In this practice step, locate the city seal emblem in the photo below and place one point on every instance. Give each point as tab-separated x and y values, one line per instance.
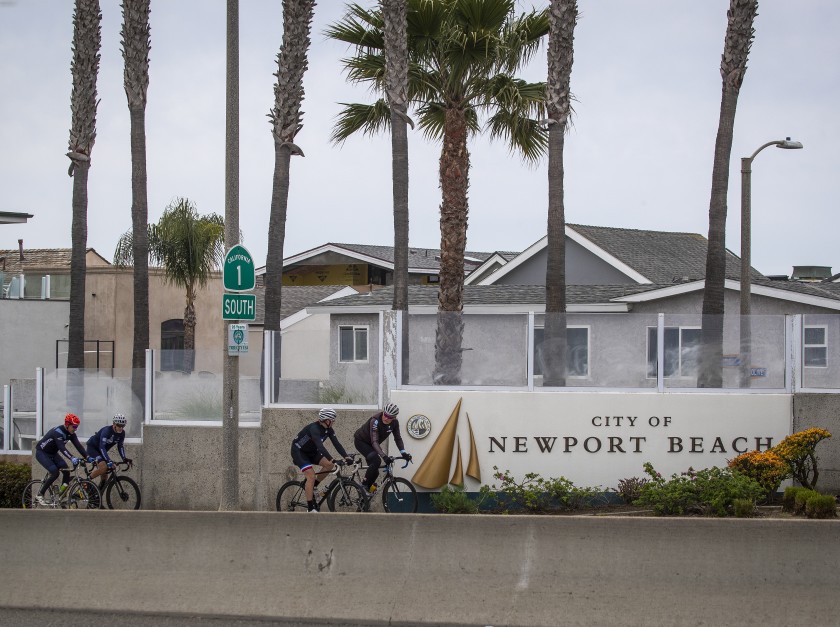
419	426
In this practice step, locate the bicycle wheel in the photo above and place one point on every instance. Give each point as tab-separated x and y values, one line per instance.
291	497
399	496
29	494
347	496
83	494
122	493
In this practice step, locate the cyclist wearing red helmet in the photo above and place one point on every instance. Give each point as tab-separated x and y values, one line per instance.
52	447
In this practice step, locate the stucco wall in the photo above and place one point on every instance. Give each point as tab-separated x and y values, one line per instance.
28	333
822	410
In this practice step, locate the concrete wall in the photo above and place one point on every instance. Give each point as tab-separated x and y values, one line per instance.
28	332
822	410
433	569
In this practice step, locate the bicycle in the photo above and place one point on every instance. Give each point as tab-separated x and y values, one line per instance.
398	494
342	494
120	492
80	493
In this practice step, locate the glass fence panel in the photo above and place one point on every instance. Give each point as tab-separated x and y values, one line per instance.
95	396
820	358
468	349
602	350
742	352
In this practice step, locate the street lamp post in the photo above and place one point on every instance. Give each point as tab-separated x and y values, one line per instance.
746	225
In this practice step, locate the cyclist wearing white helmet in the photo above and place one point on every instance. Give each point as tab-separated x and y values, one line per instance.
308	450
368	437
104	439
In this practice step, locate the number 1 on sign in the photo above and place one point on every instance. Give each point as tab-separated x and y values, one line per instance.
239	274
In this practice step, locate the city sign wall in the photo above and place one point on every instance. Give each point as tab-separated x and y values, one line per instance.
592	439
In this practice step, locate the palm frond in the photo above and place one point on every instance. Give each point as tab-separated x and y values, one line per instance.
124	252
369	119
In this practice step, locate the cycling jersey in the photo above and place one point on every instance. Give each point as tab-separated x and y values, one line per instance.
311	439
375	431
104	439
55	441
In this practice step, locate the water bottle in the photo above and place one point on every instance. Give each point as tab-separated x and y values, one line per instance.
62	488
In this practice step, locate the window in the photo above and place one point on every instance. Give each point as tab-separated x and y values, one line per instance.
352	343
172	345
577	351
815	347
682	351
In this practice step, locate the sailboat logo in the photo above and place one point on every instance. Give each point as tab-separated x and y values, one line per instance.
434	471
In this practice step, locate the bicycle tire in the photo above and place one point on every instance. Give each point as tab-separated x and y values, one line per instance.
291	496
29	494
347	496
402	496
83	494
122	493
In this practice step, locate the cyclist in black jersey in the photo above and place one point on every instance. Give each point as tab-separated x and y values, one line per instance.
368	437
308	450
52	447
104	439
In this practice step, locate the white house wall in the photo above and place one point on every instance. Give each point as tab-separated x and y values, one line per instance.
306	349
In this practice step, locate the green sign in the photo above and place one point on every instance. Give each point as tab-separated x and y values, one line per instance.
239	307
238	272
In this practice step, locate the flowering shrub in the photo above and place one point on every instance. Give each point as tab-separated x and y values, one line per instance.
536	494
711	491
798	451
767	468
630	489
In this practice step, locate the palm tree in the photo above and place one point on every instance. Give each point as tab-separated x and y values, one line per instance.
733	67
286	120
395	23
136	44
190	248
84	67
562	17
463	58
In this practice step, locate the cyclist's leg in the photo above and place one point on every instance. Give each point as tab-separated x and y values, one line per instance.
101	467
373	462
306	463
52	465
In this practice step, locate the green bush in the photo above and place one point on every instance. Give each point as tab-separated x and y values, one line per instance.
789	498
13	478
536	494
743	508
801	499
708	492
821	506
453	500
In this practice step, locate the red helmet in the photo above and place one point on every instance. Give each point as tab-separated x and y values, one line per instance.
71	420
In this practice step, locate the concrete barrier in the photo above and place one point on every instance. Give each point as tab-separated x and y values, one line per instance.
425	569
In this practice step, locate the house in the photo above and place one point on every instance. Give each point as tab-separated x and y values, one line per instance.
362	264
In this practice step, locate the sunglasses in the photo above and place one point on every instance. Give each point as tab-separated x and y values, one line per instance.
387	417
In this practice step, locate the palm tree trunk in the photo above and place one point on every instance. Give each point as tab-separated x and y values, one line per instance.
78	266
189	337
733	67
454	183
396	71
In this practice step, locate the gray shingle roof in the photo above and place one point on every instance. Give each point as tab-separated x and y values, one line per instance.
426	258
661	256
293	298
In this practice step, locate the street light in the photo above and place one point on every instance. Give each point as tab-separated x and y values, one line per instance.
746	173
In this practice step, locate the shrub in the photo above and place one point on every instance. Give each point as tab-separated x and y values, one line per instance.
767	468
13	479
801	499
708	492
743	508
536	494
789	498
453	500
798	451
630	489
821	506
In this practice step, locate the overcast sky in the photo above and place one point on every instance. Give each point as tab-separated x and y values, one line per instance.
646	79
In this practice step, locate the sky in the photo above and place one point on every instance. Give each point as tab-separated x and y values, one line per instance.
646	79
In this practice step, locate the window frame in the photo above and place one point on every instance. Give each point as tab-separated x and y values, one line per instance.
588	328
355	328
650	367
823	346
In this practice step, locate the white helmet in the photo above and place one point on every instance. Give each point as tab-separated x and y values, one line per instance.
327	413
391	409
119	419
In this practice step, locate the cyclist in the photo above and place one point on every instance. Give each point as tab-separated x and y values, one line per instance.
52	447
371	434
308	450
104	439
